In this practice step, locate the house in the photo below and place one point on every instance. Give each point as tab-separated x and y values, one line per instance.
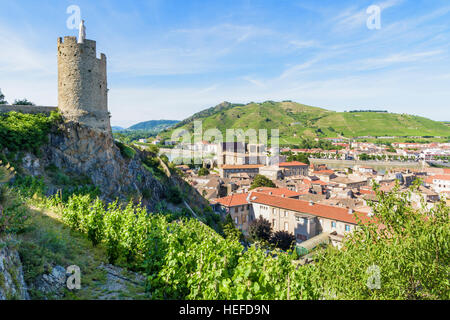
294	168
251	169
441	183
238	207
304	219
281	192
272	172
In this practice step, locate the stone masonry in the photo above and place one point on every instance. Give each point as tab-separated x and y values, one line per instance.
82	84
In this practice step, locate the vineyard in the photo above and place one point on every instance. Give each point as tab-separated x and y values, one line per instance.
185	259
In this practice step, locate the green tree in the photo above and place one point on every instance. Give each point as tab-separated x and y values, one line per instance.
203	172
283	240
260	230
23	102
2	98
230	230
400	253
261	181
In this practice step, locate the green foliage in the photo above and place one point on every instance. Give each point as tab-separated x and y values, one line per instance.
301	157
203	172
297	121
25	132
2	98
174	195
125	150
185	259
411	253
308	143
13	215
23	102
230	230
261	181
283	240
260	230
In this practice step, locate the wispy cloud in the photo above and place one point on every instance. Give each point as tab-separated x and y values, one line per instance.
398	58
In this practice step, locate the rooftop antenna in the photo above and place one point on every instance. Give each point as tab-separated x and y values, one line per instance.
82	32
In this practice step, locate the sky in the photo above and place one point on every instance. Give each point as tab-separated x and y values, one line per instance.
168	59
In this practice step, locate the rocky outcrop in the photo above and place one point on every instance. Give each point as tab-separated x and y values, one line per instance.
80	150
12	284
51	284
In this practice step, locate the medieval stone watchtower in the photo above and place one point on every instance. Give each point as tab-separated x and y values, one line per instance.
82	83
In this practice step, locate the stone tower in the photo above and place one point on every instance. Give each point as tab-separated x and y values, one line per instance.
82	84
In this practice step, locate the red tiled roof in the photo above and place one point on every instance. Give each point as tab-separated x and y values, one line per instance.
291	164
322	183
242	166
278	191
441	177
326	172
320	210
233	200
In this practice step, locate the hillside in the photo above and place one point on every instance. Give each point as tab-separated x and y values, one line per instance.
295	120
151	125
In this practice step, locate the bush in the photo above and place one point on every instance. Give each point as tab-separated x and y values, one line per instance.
203	172
260	230
261	181
174	195
25	132
126	151
283	240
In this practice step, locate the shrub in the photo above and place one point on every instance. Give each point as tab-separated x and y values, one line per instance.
174	195
260	230
126	151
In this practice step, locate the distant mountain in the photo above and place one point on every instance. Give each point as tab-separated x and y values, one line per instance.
295	120
154	125
117	128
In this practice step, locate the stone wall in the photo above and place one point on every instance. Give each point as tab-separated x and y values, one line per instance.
82	84
4	108
12	284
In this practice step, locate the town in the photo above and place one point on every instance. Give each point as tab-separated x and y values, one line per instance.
316	201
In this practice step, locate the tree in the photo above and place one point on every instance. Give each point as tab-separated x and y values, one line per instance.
23	102
261	181
400	253
203	172
283	240
2	98
298	157
260	229
230	230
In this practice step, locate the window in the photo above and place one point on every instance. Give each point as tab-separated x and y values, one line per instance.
333	224
347	227
286	226
236	220
242	208
273	223
285	213
236	209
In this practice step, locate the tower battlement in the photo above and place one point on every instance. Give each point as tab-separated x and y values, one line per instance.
82	83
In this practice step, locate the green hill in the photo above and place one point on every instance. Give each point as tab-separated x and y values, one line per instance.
295	120
154	125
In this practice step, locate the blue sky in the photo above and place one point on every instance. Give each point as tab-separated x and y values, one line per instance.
170	58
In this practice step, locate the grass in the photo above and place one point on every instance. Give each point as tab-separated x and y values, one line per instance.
47	242
296	120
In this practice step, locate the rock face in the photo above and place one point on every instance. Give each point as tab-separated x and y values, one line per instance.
84	151
12	284
51	284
